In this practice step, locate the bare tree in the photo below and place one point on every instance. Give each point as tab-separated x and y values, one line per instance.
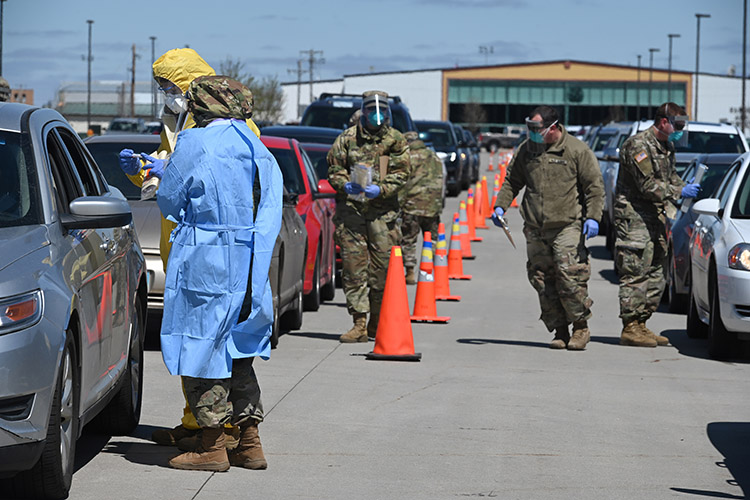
268	98
474	115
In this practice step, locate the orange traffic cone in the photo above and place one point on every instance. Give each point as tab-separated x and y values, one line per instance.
514	203
486	209
491	160
442	285
479	208
394	340
495	191
471	217
455	254
465	241
424	302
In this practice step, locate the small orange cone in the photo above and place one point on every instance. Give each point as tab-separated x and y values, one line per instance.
490	168
394	340
471	217
442	285
486	209
455	254
424	302
495	191
514	203
465	241
479	208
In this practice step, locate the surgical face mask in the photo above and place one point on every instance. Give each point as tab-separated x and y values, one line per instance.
537	134
536	137
675	136
376	118
176	102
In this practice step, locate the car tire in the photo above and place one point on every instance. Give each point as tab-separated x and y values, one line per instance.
454	189
719	339
328	291
677	301
695	328
122	414
276	326
292	320
312	300
52	475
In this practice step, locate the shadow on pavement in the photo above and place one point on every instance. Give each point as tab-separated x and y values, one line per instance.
610	275
600	252
91	443
315	335
142	453
525	343
698	348
732	440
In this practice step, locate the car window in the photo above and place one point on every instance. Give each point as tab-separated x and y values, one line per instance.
312	175
66	184
711	142
20	203
741	208
287	160
600	141
441	136
107	157
711	179
87	176
319	158
328	116
725	188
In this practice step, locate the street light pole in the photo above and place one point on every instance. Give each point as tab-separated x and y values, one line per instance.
650	76
697	59
744	53
88	80
638	92
2	18
669	77
153	82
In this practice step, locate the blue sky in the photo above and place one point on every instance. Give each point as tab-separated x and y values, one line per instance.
45	41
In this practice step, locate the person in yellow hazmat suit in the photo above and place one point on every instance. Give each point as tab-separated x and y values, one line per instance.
173	72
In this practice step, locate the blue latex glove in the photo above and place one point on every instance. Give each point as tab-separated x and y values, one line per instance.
691	190
499	212
352	188
590	228
372	191
156	165
129	164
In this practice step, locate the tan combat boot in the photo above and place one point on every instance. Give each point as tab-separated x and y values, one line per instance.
660	339
410	279
562	336
211	455
249	453
231	440
170	437
633	335
357	333
580	338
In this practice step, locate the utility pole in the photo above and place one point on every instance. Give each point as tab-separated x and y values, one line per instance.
312	61
299	71
669	78
697	58
650	76
2	18
88	79
486	50
638	92
153	82
132	83
744	53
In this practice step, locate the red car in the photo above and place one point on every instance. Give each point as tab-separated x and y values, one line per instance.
316	206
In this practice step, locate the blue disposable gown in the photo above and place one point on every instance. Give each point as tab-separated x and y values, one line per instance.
207	189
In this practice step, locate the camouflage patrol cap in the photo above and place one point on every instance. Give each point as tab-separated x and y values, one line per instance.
369	97
4	90
411	136
218	96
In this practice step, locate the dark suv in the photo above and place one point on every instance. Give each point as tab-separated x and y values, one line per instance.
334	111
446	143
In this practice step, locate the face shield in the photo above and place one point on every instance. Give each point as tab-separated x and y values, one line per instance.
174	99
679	134
537	134
375	112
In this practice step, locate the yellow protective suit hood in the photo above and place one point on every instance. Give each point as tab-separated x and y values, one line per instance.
182	66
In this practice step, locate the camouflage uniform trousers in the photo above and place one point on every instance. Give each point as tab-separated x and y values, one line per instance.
641	258
559	270
216	402
365	252
411	225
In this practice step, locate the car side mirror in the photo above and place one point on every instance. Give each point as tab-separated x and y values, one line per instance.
708	206
611	154
325	190
97	212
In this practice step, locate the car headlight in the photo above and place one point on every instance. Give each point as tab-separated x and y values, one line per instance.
463	156
20	311
739	257
453	156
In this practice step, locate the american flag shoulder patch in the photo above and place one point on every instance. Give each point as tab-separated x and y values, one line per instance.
641	156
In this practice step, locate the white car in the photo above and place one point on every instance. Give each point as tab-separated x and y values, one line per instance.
720	264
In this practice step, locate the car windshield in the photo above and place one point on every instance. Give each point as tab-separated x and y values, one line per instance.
601	140
318	157
711	179
338	117
741	209
290	169
107	157
20	204
124	126
711	142
441	136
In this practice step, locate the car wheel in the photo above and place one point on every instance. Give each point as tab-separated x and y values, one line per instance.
695	328
276	327
719	339
292	320
677	301
52	474
454	189
466	180
312	299
328	291
122	414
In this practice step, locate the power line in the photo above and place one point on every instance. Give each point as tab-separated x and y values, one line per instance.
312	61
299	71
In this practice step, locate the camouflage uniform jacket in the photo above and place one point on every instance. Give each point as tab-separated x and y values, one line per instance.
423	192
563	184
356	145
647	183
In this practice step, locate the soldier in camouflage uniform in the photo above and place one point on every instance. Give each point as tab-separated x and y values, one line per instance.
366	215
647	188
421	200
563	201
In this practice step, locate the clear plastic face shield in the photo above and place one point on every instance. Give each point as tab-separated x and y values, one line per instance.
375	112
174	99
679	133
537	134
